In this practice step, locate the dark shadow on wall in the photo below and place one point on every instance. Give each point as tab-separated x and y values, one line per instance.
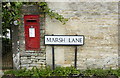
0	36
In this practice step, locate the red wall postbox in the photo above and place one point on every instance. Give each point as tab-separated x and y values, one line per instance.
32	32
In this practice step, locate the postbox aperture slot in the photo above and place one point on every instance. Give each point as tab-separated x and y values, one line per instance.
31	20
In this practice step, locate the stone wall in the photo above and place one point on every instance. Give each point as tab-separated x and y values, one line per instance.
98	22
28	58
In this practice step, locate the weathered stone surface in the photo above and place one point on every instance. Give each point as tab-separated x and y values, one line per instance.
98	22
30	9
40	58
23	58
24	65
33	65
28	57
26	61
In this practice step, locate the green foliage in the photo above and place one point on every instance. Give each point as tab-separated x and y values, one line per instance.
44	8
43	72
62	71
11	12
65	71
97	72
115	72
101	72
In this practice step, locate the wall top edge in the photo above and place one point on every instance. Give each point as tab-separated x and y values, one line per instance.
60	0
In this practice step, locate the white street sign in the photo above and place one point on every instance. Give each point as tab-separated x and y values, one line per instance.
64	40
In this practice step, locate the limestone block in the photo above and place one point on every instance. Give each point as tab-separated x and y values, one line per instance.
25	65
41	58
34	65
42	63
33	57
26	61
29	68
23	58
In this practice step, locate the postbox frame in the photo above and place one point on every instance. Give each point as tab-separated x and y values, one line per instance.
32	21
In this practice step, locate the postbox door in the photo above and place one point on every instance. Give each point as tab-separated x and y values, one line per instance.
32	32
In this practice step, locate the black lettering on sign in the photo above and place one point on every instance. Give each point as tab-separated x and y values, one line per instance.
78	39
75	40
61	39
55	39
48	39
64	40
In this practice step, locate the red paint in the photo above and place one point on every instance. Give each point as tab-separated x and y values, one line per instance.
32	21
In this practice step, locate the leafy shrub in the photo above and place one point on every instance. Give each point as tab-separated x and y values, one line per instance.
101	72
97	72
62	71
65	71
43	72
115	72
